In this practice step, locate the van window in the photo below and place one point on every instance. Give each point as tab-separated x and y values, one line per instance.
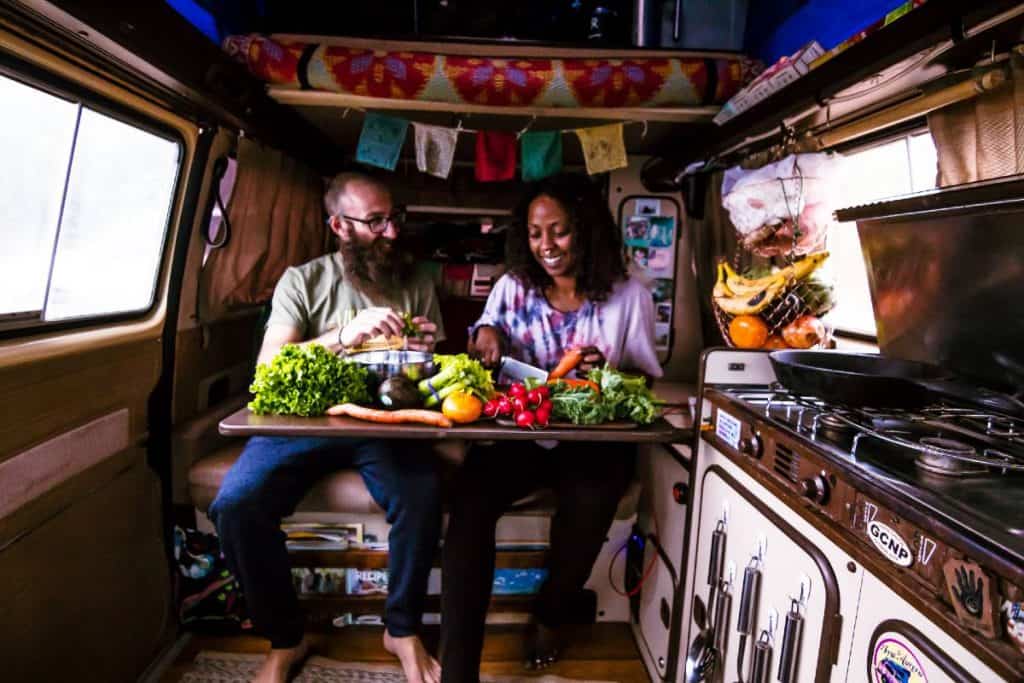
84	208
901	166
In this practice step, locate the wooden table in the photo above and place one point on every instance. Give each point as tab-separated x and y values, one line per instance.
244	423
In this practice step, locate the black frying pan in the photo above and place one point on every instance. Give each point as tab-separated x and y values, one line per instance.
868	380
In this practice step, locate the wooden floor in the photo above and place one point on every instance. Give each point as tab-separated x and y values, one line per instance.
604	651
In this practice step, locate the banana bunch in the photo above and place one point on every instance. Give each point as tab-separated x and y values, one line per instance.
738	295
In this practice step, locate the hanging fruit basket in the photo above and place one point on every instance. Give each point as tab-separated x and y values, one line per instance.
780	310
780	211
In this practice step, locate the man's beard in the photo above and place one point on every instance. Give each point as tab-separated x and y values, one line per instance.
375	269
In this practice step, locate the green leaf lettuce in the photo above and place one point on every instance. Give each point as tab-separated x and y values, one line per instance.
307	380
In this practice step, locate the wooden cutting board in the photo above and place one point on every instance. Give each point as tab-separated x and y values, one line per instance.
616	425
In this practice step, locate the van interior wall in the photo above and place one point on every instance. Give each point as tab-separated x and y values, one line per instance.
82	555
212	359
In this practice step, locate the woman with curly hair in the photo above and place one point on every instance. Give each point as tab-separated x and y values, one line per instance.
567	287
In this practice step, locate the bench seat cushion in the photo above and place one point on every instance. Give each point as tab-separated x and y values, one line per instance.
344	490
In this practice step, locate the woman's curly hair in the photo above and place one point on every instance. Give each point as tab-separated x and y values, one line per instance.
597	242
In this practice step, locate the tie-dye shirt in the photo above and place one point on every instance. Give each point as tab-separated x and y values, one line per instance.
621	326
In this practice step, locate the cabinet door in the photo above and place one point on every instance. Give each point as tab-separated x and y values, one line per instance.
894	642
791	564
662	520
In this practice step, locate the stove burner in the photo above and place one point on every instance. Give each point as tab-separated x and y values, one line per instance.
834	422
948	456
1001	426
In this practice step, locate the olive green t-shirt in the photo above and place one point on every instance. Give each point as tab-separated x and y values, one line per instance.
316	297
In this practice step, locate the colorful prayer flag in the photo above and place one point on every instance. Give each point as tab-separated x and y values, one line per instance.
380	141
542	154
603	147
435	148
495	156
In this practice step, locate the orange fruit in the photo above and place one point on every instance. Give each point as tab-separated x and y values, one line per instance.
748	332
461	407
775	342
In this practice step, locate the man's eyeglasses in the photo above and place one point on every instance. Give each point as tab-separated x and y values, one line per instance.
379	224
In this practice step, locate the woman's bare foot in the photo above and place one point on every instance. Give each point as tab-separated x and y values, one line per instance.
543	647
282	661
418	665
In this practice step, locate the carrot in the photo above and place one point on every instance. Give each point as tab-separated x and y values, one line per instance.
570	359
577	383
427	417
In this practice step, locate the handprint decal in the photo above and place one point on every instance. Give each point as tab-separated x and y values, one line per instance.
969	591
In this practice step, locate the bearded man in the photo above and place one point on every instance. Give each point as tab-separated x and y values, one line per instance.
339	300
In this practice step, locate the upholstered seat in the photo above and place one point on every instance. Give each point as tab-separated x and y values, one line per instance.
344	490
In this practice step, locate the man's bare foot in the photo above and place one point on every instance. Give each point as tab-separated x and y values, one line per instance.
418	665
543	647
282	661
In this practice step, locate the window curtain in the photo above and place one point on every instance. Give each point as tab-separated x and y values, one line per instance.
277	220
982	138
714	238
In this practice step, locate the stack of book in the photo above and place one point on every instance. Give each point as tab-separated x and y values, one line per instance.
322	536
340	581
774	78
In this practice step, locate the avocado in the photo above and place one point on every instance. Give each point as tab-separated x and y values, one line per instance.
398	392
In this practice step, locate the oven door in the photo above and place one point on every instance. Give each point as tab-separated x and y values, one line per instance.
738	519
894	643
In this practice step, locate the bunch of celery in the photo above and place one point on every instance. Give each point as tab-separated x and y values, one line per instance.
457	373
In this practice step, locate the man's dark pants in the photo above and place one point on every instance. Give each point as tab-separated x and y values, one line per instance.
266	484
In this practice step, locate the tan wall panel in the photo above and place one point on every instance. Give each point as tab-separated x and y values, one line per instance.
40	469
87	595
43	399
228	343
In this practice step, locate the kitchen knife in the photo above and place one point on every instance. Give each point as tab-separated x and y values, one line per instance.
513	370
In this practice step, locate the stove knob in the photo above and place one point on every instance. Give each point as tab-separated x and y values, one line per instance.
751	446
815	488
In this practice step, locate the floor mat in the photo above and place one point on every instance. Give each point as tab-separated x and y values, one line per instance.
231	667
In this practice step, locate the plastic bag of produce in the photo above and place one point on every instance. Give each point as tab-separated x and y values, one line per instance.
783	208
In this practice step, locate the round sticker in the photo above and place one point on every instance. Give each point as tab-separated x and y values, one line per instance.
893	662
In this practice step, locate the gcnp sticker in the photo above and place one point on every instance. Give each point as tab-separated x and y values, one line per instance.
728	429
890	543
894	662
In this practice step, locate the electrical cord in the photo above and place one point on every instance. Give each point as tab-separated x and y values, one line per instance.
647	572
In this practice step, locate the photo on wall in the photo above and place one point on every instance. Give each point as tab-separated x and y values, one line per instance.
648	207
663	313
661	231
659	261
662	334
639	257
636	231
661	289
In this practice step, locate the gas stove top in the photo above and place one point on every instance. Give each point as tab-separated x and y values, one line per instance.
965	465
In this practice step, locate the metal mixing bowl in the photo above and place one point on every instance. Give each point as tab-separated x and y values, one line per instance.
415	365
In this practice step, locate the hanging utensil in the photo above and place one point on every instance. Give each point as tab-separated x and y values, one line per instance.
716	563
723	609
761	666
792	634
745	621
701	658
